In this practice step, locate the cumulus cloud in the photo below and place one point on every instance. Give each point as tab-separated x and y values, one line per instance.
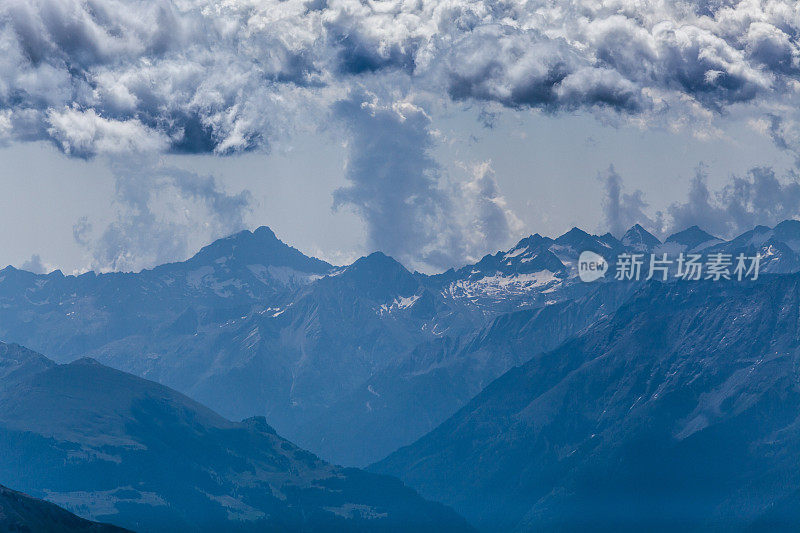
393	178
196	76
85	134
206	76
163	213
395	186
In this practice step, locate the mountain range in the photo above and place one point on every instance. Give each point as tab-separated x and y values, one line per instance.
507	389
335	357
681	411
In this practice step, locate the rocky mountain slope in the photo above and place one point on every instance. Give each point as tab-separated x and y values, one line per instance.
110	446
252	327
679	411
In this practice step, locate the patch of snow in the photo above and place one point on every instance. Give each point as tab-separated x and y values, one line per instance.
500	285
285	276
402	302
515	253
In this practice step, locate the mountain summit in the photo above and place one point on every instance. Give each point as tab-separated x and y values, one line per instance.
693	239
260	247
639	239
250	326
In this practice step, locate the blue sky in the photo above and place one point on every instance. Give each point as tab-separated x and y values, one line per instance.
134	132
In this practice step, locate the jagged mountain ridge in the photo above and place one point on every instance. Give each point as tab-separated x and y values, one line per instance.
251	326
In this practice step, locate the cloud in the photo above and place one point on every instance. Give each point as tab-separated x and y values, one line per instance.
203	76
396	187
488	222
702	208
393	179
517	69
85	134
164	212
622	210
35	265
110	77
784	132
757	197
197	75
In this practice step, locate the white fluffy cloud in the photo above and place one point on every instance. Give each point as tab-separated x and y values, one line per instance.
85	134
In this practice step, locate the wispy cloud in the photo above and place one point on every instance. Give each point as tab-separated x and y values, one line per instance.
162	213
36	265
757	197
621	210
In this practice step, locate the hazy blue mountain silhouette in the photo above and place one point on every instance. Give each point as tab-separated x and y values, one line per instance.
638	238
253	327
413	394
679	411
692	239
111	446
